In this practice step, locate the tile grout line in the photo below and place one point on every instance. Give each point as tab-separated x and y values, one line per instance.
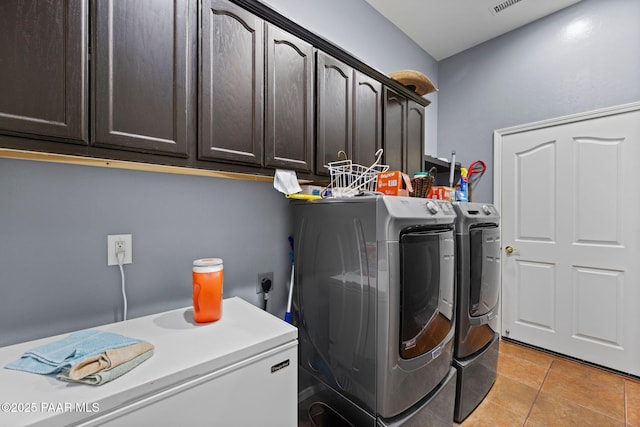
538	392
624	396
557	358
595	410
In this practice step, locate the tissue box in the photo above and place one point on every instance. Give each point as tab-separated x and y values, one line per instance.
441	192
394	183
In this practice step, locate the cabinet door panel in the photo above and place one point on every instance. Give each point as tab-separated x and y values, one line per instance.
367	119
232	84
334	114
43	63
143	75
394	129
415	137
289	101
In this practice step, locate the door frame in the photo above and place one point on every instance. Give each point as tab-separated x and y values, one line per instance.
498	136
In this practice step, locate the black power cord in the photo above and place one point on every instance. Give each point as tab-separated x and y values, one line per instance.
266	288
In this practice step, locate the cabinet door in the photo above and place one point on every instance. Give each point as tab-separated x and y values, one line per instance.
43	68
367	119
144	84
232	84
395	116
334	114
415	138
289	101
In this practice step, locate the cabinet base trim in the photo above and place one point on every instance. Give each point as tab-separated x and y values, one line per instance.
120	164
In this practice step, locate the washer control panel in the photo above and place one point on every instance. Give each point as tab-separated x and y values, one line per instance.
479	211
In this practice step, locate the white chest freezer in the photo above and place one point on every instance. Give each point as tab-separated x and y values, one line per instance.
238	371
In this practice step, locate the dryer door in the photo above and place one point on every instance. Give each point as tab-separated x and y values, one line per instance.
426	290
484	274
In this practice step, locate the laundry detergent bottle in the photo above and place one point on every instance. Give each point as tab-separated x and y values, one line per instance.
462	195
208	274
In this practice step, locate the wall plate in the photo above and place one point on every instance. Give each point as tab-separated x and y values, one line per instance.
113	240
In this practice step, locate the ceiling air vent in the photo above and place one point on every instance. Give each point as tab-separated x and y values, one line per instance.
502	6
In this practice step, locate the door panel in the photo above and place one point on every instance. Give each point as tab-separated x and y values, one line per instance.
144	76
598	194
535	295
414	152
535	214
289	101
395	128
598	305
232	84
43	77
570	213
367	119
334	118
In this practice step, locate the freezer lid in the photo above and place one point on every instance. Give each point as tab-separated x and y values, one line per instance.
183	350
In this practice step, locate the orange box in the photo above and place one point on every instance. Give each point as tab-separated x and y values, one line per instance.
394	183
441	192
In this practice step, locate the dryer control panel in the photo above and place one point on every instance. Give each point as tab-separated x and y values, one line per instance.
484	211
419	208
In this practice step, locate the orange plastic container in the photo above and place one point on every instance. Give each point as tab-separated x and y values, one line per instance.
208	275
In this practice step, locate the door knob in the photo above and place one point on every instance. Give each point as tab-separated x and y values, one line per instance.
509	249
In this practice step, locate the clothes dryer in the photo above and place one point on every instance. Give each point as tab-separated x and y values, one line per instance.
374	306
478	288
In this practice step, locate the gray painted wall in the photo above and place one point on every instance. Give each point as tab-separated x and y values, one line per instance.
55	218
538	72
54	222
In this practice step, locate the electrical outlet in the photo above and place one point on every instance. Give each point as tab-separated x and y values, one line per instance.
117	242
261	277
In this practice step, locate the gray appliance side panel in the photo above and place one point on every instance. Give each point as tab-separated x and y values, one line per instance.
403	382
320	405
473	332
434	411
335	283
490	278
483	308
476	376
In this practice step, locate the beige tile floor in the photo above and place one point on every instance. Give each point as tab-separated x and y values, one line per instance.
535	389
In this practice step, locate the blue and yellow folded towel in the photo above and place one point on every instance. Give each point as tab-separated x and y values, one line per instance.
63	354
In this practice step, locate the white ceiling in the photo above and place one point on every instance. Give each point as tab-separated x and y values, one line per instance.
446	27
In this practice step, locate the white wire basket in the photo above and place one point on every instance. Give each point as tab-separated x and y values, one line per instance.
349	179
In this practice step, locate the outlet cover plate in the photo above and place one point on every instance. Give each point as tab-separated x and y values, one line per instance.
111	248
259	282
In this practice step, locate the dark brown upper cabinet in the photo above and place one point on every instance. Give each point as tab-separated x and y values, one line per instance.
43	69
334	111
215	84
395	129
415	137
231	84
144	66
367	119
289	103
403	132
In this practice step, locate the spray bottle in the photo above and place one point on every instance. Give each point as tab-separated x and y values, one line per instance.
462	195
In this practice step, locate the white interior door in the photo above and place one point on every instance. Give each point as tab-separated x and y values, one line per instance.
570	203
